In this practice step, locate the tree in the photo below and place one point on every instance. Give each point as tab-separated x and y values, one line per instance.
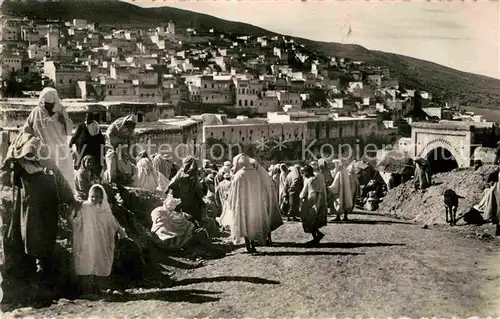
318	95
12	87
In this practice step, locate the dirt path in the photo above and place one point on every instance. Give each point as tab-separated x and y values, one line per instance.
374	266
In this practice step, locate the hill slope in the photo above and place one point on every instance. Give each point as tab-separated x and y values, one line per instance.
469	89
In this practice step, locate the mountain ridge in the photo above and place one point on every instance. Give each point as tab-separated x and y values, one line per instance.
448	83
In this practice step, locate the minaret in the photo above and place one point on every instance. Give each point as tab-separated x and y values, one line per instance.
52	40
171	27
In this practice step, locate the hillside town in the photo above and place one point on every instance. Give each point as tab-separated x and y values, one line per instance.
171	77
241	145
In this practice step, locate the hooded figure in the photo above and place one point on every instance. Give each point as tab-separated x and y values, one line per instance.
324	169
85	177
490	205
246	214
119	165
272	204
313	208
38	192
294	184
355	186
422	173
222	193
341	190
147	177
163	167
186	186
89	141
162	164
225	169
94	231
275	176
50	122
283	200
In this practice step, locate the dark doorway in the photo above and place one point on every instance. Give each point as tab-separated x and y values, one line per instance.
441	160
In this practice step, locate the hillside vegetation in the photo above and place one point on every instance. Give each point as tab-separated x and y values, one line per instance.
443	82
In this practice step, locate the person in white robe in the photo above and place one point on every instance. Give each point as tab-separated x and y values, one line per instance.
147	177
341	190
490	205
50	122
94	230
120	166
172	227
163	167
246	213
222	193
272	203
225	169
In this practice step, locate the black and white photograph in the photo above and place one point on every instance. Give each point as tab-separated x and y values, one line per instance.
249	159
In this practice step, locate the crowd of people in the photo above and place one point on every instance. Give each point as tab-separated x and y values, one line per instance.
52	178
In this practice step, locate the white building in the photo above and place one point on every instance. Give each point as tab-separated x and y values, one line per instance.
79	23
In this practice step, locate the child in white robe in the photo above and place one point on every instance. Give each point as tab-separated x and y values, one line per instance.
94	230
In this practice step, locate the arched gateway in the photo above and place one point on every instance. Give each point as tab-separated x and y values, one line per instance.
449	144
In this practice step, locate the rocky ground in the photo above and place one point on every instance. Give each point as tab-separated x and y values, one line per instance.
370	266
427	206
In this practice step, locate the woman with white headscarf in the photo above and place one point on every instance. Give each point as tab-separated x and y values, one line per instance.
50	122
94	231
341	190
119	165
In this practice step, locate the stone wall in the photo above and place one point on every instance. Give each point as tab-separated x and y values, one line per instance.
175	142
298	140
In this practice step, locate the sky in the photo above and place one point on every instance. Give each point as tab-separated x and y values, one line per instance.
464	35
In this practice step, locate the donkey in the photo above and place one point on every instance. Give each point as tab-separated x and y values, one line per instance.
451	205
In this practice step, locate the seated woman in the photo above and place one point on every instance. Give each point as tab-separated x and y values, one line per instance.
177	231
85	177
174	229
